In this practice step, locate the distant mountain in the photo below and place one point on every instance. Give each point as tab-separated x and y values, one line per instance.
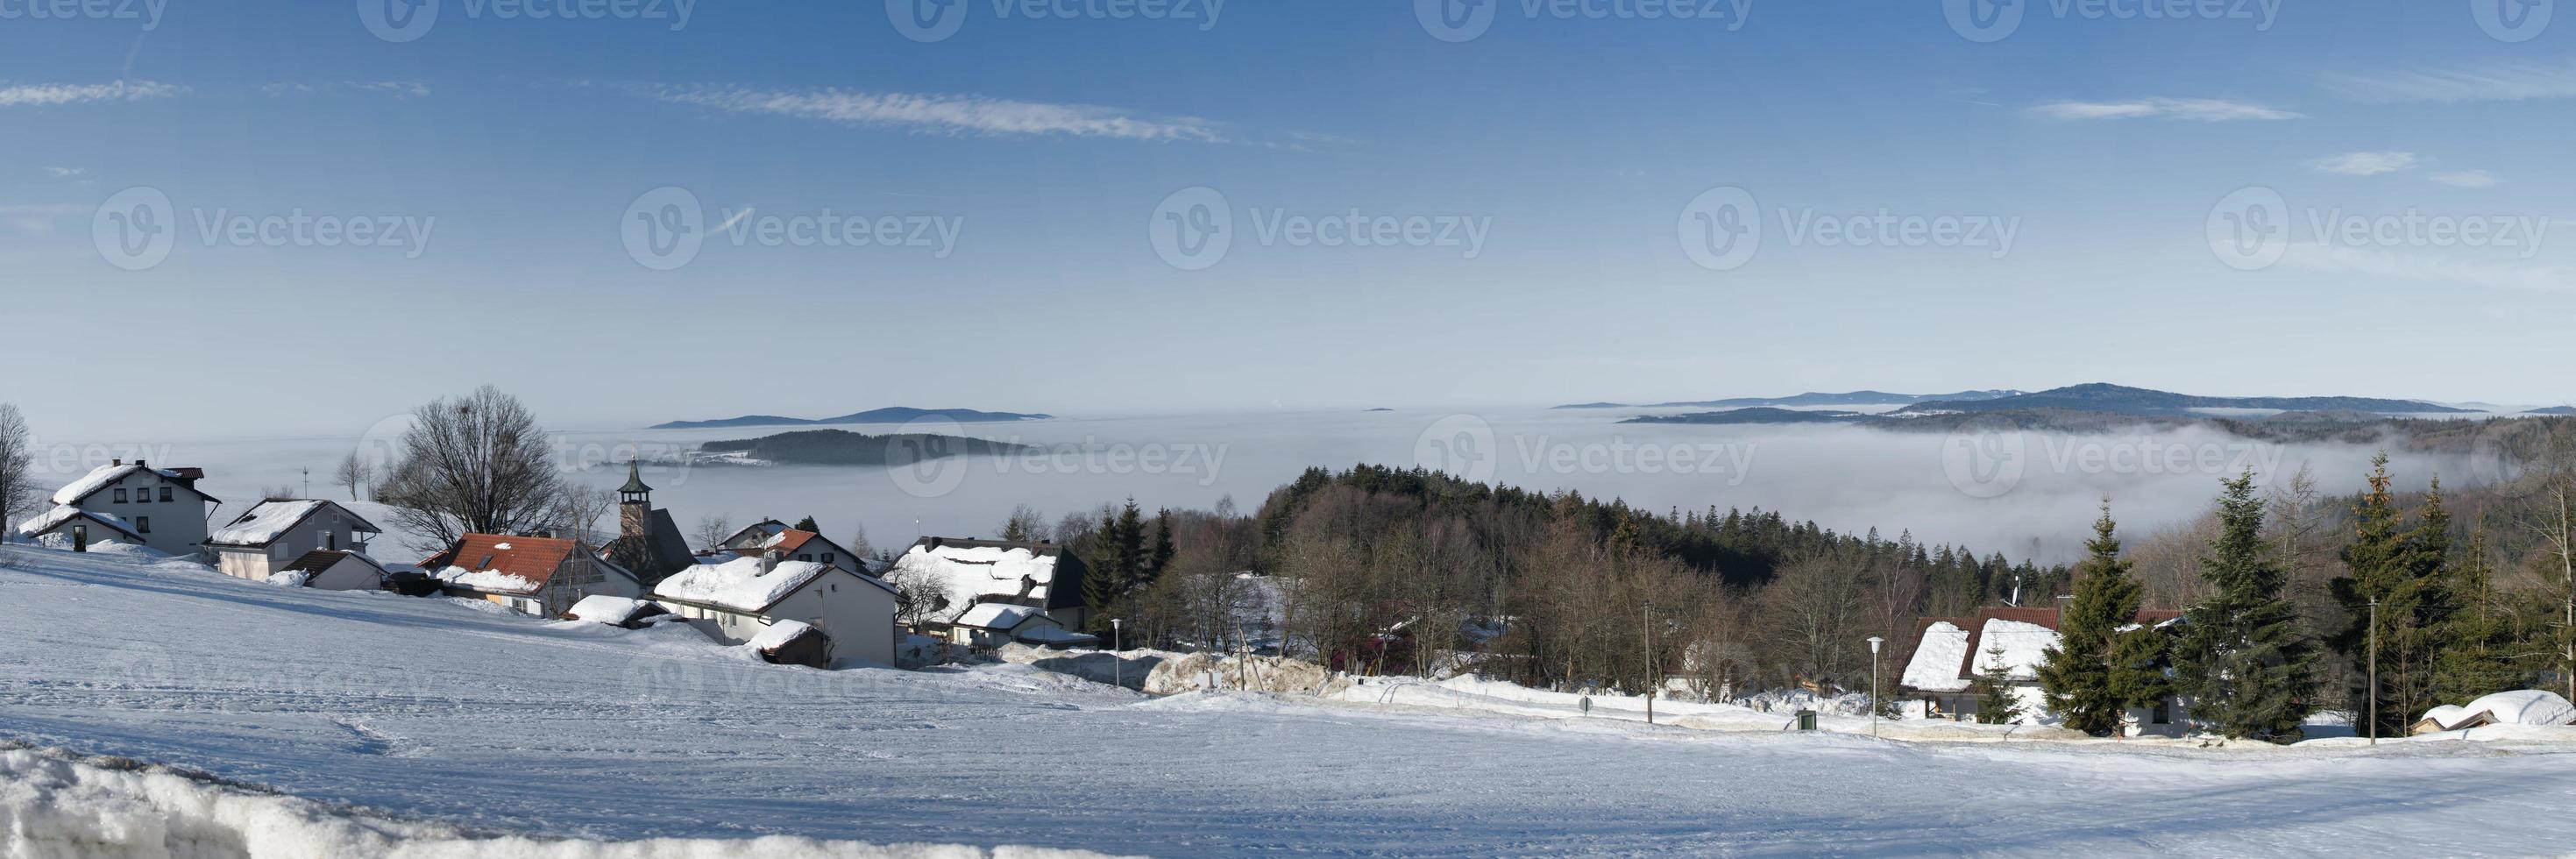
2117	399
842	447
2553	410
1758	415
894	415
1853	398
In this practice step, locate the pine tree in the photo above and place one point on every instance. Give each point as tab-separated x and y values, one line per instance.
2077	673
2404	569
1996	703
1159	559
807	525
2242	658
2476	655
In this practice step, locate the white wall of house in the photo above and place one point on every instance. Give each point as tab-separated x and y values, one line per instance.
858	615
327	528
176	526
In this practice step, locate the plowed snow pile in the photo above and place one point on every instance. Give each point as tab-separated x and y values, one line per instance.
1195	671
53	804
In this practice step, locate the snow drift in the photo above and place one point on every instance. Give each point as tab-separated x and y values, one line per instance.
53	803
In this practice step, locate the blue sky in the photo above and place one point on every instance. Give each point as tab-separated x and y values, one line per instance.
1573	145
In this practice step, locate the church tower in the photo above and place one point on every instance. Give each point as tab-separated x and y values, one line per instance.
634	504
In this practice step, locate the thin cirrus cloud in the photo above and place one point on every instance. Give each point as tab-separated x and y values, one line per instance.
2497	80
948	114
397	89
2188	109
2466	179
43	95
2430	268
2366	163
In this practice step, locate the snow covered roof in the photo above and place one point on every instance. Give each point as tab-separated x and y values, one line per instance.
1935	666
105	476
985	572
60	516
1046	634
2519	707
2022	647
995	616
611	610
321	560
489	581
739	585
780	633
269	520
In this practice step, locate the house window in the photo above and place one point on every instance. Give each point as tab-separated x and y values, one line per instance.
827	557
805	557
165	493
142	524
120	496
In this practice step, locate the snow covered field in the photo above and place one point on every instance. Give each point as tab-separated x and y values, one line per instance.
442	714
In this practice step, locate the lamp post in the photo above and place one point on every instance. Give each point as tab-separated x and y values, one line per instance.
1117	664
1874	642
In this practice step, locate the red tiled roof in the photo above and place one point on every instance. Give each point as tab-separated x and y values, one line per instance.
787	542
533	558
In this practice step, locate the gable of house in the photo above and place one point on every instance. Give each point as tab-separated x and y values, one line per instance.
269	521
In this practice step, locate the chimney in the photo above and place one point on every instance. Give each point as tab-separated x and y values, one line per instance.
141	464
768	562
116	462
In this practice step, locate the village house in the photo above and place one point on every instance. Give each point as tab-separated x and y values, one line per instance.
1039	577
157	507
751	536
273	534
807	546
990	625
542	576
337	570
1951	653
741	600
648	544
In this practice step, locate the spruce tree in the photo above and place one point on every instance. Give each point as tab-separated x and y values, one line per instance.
2242	658
807	525
2476	657
2405	569
2077	674
1996	703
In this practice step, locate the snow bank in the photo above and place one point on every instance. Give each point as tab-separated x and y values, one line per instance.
56	804
1194	672
779	634
291	579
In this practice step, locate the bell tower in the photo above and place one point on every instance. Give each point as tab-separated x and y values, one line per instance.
634	504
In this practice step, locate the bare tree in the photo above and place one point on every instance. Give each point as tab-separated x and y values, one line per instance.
713	529
476	464
353	473
919	595
580	510
17	467
1025	525
2547	486
1817	610
859	546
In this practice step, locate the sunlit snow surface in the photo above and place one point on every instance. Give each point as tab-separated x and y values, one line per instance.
497	723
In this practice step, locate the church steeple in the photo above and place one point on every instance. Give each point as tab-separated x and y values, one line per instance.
634	504
634	492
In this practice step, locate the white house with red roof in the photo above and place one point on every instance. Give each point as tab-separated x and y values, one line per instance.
542	576
794	545
160	507
273	534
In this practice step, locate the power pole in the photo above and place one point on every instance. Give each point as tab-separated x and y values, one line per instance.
2374	671
1650	662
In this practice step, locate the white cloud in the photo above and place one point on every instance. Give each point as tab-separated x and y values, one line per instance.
2337	259
22	95
2194	109
64	172
397	89
2484	81
952	114
2467	179
2366	163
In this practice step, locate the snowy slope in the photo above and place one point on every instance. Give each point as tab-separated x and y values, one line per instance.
492	722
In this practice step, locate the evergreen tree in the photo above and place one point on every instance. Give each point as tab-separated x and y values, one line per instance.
1996	703
807	525
1159	559
2077	673
2404	568
2476	657
2243	659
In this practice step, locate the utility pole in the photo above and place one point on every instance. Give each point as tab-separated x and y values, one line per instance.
1650	662
1874	642
2374	671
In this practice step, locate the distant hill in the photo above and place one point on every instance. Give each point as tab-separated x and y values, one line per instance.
894	415
1852	398
2120	400
843	447
2553	410
1758	415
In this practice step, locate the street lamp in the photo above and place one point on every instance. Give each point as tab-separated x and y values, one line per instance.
1117	664
1874	642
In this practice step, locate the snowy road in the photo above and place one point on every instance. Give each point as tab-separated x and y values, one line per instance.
429	708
